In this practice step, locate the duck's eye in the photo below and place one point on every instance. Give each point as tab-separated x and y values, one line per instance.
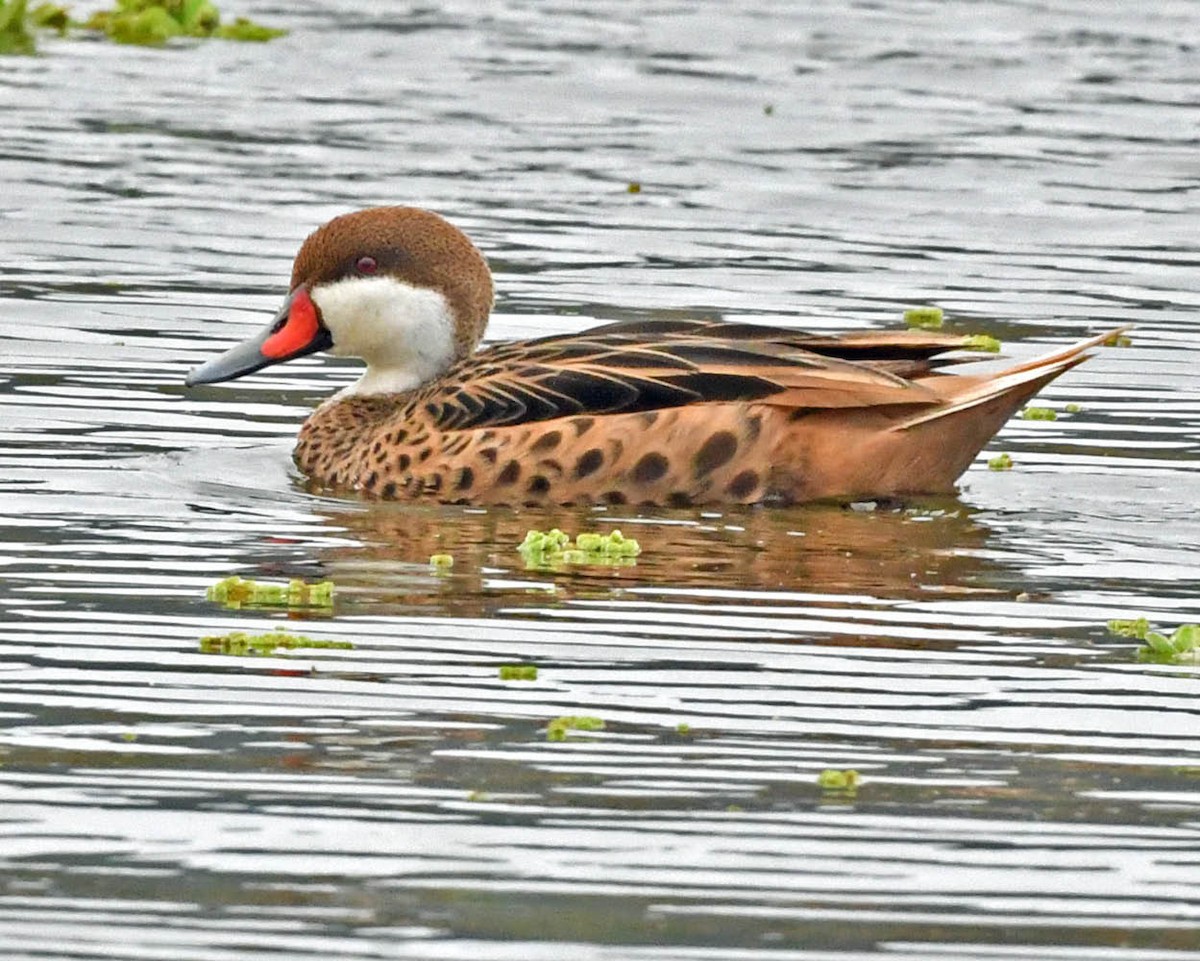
366	265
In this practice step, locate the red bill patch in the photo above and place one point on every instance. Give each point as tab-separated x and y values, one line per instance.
300	330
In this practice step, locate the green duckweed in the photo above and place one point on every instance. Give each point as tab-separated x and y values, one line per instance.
834	780
1182	646
557	729
238	592
982	342
243	644
554	548
1134	628
50	16
15	34
924	318
1038	413
1000	462
154	22
146	23
247	31
518	672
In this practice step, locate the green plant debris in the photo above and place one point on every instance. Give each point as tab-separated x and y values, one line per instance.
237	592
1000	462
554	548
154	22
1038	413
557	729
982	342
242	644
544	542
441	562
683	729
924	318
834	780
51	16
1073	408
147	23
634	188
518	672
247	31
1139	628
1181	647
151	27
15	35
1118	340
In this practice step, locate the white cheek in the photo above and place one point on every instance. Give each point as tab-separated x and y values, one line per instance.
404	333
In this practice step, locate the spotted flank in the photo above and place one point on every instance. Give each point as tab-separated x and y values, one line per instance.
674	413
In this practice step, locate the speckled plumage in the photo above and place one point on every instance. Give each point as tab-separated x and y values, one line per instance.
672	413
675	413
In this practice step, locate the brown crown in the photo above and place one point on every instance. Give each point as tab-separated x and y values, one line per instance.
414	245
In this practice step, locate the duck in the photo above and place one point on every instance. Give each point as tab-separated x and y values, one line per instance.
671	413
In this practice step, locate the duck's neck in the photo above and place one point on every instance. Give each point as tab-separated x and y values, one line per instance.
387	380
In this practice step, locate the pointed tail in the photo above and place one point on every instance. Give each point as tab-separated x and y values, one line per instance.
1018	383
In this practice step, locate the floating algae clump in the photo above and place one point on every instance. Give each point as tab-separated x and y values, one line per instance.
247	31
154	22
1139	628
554	548
147	23
50	16
924	318
552	541
1182	647
237	592
834	780
1000	462
14	28
982	342
518	672
1038	413
241	644
557	729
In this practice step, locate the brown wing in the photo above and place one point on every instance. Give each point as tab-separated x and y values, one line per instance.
630	367
861	345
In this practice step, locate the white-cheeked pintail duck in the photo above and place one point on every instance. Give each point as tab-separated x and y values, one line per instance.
657	412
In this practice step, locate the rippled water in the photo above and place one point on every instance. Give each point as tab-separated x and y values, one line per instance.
1029	790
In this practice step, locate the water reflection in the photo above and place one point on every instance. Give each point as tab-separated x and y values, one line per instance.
881	550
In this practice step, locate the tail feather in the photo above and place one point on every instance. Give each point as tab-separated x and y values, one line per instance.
1021	381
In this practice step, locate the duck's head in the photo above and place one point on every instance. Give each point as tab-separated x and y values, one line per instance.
398	287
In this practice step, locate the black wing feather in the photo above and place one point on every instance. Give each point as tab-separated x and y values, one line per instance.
634	366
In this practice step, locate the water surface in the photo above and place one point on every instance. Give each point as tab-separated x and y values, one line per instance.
1029	790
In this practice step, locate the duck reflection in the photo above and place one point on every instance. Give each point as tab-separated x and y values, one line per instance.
881	550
